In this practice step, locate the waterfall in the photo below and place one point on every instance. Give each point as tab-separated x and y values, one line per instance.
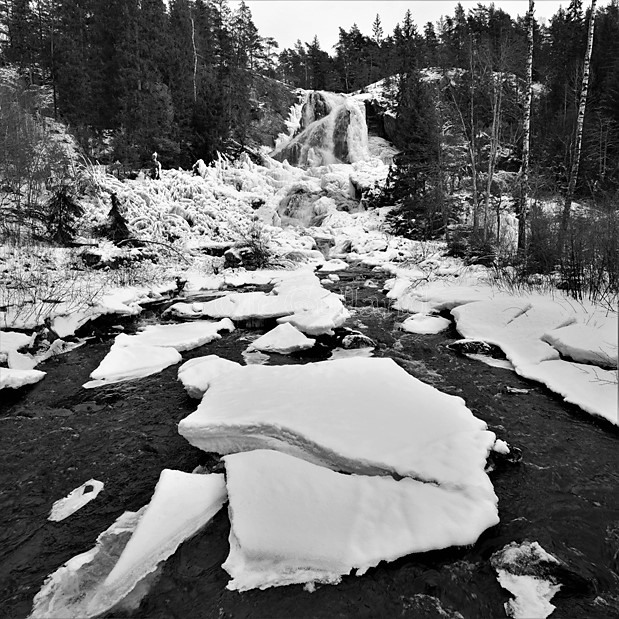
330	128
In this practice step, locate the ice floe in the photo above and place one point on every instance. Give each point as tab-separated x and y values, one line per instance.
14	379
67	591
13	340
296	522
75	500
124	363
115	574
181	505
283	339
362	415
296	297
196	374
184	336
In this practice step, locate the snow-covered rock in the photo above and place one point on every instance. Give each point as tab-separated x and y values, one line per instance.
522	569
283	339
425	324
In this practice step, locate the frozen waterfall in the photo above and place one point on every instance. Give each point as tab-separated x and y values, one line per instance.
328	128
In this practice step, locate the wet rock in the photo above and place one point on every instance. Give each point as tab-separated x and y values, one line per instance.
476	347
356	339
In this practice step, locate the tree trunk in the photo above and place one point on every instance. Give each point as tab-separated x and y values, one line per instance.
195	59
569	196
497	99
522	209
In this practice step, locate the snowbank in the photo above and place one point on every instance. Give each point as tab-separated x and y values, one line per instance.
533	331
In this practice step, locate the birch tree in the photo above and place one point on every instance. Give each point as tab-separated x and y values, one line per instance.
569	196
522	207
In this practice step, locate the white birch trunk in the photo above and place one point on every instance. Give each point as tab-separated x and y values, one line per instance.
522	210
569	196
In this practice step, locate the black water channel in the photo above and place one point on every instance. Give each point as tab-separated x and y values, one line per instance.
54	436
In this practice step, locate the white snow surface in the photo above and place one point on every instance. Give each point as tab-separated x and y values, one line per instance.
155	348
283	339
362	415
129	362
181	505
533	330
14	379
184	336
75	500
297	297
296	522
596	344
196	374
424	324
13	340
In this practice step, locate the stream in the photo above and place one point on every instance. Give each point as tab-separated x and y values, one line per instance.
56	435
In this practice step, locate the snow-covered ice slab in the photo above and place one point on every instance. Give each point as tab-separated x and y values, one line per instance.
19	361
283	339
13	340
75	500
115	574
423	324
67	591
587	386
14	379
515	324
587	343
296	522
181	505
196	374
296	297
129	362
362	415
184	336
333	265
523	571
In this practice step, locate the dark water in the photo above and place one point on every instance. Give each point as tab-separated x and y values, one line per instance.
564	493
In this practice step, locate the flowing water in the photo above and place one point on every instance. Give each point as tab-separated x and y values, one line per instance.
56	435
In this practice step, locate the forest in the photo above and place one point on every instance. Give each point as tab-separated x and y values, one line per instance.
195	78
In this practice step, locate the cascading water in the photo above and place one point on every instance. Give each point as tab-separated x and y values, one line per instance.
331	129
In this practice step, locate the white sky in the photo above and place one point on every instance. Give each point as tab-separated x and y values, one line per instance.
289	20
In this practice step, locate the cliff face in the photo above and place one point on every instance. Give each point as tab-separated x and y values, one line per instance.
270	105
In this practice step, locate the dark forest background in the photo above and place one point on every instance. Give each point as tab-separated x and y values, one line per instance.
187	80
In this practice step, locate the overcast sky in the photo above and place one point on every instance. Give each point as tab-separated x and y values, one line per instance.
289	20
